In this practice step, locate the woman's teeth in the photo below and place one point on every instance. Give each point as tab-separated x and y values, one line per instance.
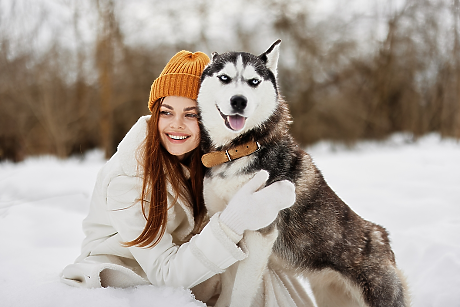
177	137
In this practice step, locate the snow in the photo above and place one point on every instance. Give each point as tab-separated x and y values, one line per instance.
410	188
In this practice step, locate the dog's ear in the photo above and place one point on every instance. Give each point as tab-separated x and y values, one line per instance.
213	55
270	57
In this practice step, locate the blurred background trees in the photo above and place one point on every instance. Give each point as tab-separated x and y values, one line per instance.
76	74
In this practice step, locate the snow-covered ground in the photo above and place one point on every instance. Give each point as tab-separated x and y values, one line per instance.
412	189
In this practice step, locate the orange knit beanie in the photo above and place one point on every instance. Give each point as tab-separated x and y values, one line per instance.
180	77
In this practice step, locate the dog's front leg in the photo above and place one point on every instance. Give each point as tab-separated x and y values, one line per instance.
249	272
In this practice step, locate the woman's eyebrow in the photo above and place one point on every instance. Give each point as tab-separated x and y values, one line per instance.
167	106
190	108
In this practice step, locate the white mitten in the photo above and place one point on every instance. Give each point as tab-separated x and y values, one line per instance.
252	209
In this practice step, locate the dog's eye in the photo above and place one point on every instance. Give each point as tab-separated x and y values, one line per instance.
224	78
254	82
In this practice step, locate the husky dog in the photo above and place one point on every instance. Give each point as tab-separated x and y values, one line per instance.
244	124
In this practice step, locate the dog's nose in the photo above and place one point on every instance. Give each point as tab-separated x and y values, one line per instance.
238	102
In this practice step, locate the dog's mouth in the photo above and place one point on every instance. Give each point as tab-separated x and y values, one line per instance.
233	122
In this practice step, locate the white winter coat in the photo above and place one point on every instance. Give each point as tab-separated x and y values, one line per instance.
116	216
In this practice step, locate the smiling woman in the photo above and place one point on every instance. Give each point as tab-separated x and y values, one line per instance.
178	126
147	222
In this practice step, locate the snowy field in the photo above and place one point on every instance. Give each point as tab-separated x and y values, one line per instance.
412	189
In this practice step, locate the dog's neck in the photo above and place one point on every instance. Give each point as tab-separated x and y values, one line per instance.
214	158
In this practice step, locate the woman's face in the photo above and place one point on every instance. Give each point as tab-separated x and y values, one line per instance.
178	125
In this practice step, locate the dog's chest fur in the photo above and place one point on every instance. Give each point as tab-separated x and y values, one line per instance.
223	181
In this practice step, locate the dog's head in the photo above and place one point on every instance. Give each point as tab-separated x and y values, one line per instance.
238	93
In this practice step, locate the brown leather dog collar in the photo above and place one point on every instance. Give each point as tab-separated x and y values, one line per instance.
214	158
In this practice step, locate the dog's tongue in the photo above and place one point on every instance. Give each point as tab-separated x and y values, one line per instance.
236	122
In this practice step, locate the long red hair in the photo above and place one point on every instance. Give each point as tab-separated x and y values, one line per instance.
159	167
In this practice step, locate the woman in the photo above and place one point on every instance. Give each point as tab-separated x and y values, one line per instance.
147	222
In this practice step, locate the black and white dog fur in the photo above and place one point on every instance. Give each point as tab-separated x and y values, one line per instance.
348	260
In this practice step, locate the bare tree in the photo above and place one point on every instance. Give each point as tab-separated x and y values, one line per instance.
105	53
456	59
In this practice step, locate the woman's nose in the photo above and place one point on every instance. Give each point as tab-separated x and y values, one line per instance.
177	122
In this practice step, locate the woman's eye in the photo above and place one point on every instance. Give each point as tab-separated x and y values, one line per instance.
224	78
254	82
165	113
191	115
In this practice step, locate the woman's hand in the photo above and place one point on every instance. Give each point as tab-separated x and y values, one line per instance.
252	209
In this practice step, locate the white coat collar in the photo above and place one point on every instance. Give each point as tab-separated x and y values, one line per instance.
128	147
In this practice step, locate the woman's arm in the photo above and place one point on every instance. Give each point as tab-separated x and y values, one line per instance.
205	255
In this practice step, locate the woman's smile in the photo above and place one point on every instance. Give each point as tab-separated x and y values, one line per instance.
177	137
